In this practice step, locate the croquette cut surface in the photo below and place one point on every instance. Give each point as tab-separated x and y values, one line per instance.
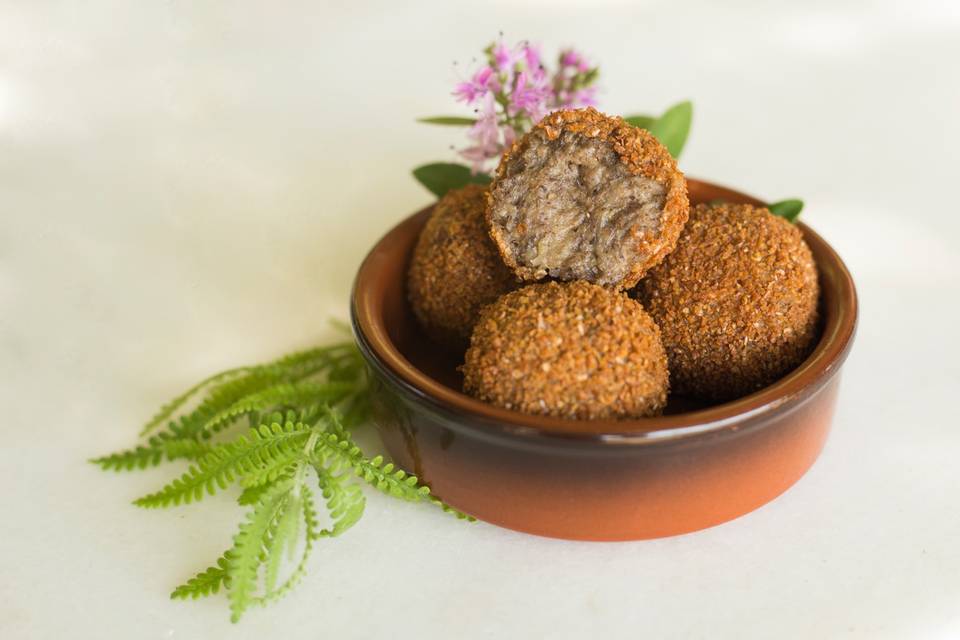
736	301
455	269
573	350
586	196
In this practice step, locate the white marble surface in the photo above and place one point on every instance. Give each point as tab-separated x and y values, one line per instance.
188	186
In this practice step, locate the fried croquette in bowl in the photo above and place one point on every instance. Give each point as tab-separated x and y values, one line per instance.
736	301
586	196
574	350
455	268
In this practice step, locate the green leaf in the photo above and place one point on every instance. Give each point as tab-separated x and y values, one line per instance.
167	410
246	556
789	209
310	524
268	446
160	446
441	177
307	403
345	501
455	121
643	122
283	394
283	538
205	583
673	127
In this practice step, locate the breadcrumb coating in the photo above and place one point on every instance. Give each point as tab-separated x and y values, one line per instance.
573	350
736	301
644	244
455	269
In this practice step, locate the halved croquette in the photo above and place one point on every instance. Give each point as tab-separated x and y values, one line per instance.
586	196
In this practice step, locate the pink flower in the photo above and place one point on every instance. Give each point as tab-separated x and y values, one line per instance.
529	95
503	57
576	98
515	89
532	62
572	58
485	134
586	97
481	84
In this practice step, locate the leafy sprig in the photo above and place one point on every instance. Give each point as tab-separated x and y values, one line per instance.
298	413
672	128
789	209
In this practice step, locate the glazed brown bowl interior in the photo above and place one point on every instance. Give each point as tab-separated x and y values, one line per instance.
390	336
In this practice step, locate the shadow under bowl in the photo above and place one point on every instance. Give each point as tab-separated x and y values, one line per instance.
602	479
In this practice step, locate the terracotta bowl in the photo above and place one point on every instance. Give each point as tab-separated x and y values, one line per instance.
596	480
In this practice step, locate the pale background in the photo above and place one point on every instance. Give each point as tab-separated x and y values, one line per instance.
189	186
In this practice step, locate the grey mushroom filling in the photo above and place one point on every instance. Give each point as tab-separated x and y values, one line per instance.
569	208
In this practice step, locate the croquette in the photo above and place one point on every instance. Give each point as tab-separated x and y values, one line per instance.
455	269
736	301
573	350
586	196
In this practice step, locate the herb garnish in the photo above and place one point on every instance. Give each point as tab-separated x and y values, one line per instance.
510	93
297	413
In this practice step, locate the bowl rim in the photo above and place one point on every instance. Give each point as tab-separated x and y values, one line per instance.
472	414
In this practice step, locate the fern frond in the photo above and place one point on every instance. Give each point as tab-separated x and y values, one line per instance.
459	515
310	359
386	478
345	502
283	394
152	454
220	398
166	411
217	469
130	459
282	538
279	466
341	452
246	556
205	583
251	495
310	526
245	383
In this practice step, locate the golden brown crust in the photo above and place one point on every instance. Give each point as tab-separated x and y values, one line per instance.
455	269
574	350
641	153
736	301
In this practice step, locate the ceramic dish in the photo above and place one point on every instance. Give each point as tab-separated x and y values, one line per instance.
599	480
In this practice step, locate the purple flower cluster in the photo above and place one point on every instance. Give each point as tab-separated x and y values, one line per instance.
514	90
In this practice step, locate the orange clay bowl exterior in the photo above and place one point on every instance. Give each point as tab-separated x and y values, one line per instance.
692	468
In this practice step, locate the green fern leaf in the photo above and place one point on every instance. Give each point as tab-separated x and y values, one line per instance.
261	448
392	482
221	398
167	410
283	394
255	380
205	583
247	556
310	526
345	502
130	459
308	402
160	447
283	538
269	470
